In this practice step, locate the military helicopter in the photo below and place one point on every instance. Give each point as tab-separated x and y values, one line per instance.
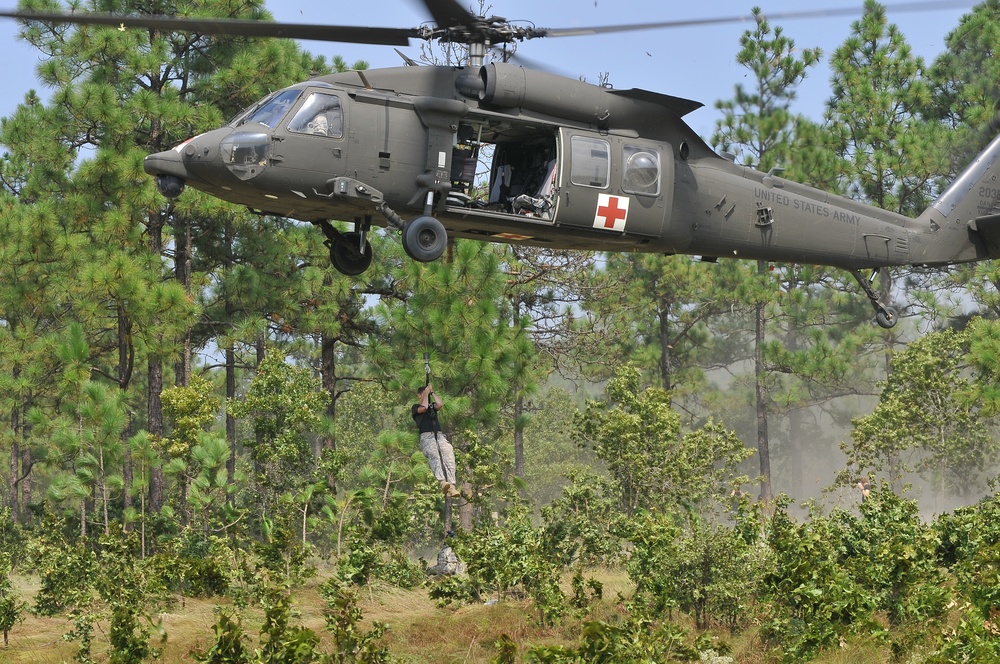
572	165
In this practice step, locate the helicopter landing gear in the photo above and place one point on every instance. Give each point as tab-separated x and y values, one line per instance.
350	253
352	256
424	239
885	316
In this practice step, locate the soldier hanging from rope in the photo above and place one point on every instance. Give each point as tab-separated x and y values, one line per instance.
433	443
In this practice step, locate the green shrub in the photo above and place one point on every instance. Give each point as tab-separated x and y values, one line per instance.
577	524
374	560
511	558
969	544
706	570
814	602
653	538
635	641
11	606
283	642
891	554
972	640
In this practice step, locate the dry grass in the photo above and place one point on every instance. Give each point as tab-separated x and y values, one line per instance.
40	640
419	631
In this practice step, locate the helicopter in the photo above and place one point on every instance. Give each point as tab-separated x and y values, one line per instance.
572	165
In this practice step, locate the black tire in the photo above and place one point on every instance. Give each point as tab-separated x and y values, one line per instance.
886	318
424	239
345	257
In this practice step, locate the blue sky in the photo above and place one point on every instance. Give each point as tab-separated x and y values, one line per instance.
695	62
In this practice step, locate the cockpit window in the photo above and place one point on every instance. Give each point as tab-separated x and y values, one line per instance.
321	114
271	112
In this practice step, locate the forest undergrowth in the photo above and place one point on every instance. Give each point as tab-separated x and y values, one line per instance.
419	631
874	584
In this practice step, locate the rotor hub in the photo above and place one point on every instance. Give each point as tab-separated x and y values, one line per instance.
479	34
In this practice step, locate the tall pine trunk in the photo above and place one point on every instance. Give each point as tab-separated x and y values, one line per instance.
154	369
227	236
126	362
15	460
328	378
665	346
760	377
182	269
230	420
519	437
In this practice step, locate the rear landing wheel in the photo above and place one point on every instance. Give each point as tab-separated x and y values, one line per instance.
424	239
885	317
347	258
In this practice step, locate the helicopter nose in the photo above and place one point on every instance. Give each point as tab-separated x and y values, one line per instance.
169	171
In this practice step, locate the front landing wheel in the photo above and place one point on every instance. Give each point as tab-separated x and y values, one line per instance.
424	239
347	258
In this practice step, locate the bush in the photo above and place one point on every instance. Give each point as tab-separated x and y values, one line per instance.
972	640
709	571
716	575
635	641
369	561
814	602
283	641
653	538
190	576
11	606
890	553
511	558
66	573
577	524
13	539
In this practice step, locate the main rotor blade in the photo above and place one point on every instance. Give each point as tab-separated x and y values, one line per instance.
449	14
233	27
745	18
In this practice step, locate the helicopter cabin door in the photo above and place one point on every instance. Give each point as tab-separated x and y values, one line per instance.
614	184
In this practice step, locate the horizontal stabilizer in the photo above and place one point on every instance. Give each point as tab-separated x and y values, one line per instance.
988	229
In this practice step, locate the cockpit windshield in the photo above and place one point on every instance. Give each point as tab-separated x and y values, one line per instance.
271	111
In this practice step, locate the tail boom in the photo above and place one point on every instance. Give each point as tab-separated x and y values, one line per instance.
964	222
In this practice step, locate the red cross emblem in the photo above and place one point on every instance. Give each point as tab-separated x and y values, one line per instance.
612	211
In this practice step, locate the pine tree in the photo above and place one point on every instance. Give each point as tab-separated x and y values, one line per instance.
965	86
84	438
879	91
657	312
894	154
37	251
965	93
118	95
544	289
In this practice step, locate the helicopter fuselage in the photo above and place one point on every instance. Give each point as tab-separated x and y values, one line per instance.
508	154
503	153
